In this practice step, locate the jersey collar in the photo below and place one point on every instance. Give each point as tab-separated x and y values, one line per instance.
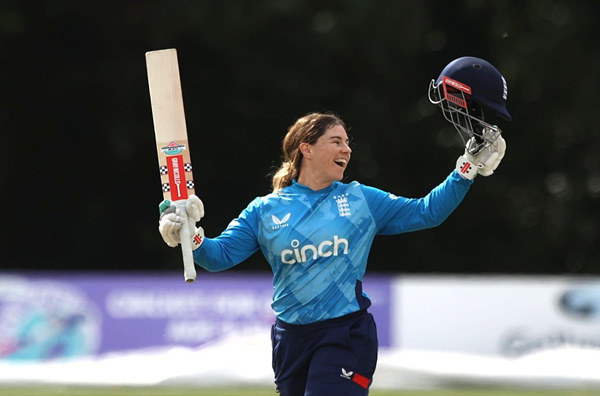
307	190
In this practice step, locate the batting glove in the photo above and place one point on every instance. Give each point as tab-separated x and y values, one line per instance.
484	162
171	220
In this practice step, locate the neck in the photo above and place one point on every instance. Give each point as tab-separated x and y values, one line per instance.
314	183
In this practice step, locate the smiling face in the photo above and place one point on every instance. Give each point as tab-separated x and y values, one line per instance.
325	160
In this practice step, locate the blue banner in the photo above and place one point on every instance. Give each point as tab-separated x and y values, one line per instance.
50	316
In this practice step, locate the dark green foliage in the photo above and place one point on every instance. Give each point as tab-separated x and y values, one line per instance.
79	145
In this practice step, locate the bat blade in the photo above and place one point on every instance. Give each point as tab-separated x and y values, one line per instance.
174	159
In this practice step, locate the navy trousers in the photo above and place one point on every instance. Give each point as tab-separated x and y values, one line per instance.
336	357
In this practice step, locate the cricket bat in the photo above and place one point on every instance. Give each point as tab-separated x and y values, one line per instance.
174	160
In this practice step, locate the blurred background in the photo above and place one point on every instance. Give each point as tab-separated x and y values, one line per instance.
505	293
79	180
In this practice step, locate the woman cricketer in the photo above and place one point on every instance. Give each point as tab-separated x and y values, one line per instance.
316	233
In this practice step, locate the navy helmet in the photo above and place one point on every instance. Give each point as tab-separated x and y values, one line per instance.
465	90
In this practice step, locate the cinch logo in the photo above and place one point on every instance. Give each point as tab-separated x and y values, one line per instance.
325	249
173	148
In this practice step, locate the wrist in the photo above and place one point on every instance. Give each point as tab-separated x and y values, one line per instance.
197	238
466	168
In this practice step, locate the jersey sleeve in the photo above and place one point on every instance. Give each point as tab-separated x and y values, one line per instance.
238	242
395	215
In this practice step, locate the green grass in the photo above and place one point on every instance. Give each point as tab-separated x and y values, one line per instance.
178	391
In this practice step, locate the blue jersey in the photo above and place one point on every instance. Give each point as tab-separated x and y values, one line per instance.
318	242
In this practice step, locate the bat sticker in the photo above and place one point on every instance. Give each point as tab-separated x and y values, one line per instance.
173	148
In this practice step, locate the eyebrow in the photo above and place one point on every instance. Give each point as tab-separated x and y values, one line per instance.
336	137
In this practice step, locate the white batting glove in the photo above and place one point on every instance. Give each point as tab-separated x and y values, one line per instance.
484	162
171	220
194	208
169	226
490	157
466	168
197	238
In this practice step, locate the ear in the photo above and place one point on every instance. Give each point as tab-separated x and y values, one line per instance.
305	149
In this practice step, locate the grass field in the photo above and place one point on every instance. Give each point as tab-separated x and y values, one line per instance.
164	391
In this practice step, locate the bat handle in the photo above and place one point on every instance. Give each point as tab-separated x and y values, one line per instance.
189	268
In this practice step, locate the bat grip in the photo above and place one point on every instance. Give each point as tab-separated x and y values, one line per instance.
189	269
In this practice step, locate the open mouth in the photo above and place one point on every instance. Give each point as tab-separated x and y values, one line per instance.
341	162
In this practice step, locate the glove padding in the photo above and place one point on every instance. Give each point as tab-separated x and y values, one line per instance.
484	162
172	218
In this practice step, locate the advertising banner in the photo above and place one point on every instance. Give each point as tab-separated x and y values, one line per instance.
64	315
500	316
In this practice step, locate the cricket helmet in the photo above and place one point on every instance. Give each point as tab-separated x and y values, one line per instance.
466	88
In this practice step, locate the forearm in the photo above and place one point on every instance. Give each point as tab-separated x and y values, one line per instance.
446	197
433	209
217	254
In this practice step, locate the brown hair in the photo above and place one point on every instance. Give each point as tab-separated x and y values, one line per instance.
306	129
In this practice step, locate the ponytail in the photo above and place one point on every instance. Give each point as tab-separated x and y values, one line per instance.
284	176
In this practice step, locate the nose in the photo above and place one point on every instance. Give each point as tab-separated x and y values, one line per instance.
346	148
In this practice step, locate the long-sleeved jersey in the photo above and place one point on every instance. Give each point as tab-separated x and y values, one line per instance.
317	242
